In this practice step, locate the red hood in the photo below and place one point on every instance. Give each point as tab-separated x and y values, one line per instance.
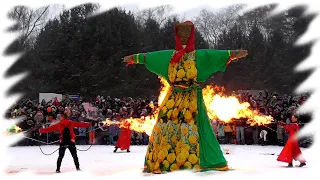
179	48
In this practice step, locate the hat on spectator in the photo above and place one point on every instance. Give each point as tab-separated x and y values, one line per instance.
30	122
66	113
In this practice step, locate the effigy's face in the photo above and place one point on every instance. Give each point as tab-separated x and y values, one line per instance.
184	31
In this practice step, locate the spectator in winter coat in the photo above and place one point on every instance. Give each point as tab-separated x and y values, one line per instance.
82	117
82	136
38	118
214	126
145	139
255	134
50	114
263	137
43	103
280	134
113	133
66	100
248	134
139	138
228	133
221	134
56	102
240	124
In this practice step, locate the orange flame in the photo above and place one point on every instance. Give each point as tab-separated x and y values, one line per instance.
165	88
227	108
146	123
143	124
16	128
218	106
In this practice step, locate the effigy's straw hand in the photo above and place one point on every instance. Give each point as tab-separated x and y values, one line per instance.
240	54
127	59
243	53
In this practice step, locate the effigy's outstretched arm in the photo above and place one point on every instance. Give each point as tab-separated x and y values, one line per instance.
147	58
210	61
135	59
156	62
237	54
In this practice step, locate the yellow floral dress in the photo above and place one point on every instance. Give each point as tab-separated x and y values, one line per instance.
174	142
183	137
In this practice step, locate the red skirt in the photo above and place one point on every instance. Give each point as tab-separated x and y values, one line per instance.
124	140
92	137
291	151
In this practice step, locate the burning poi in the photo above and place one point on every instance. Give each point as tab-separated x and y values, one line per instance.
13	130
182	137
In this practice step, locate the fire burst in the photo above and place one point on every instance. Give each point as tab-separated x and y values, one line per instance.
219	107
145	123
226	109
16	129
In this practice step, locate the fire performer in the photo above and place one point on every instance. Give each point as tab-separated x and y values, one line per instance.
291	150
183	138
124	140
67	138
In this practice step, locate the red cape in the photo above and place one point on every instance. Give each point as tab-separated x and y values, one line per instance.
291	150
124	140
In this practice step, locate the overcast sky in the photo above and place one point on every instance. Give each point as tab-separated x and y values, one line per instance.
55	10
189	15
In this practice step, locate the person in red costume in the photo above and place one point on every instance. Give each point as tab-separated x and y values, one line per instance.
291	150
124	140
67	138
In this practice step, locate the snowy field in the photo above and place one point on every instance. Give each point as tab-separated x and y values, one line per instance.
100	160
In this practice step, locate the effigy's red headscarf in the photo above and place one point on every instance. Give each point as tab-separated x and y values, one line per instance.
179	48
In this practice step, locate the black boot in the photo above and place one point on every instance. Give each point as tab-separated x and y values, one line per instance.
290	165
128	150
302	164
76	162
58	164
115	150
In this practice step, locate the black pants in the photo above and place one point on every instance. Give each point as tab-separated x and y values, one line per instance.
228	137
73	150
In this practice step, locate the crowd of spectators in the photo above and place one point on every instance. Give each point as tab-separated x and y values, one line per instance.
35	115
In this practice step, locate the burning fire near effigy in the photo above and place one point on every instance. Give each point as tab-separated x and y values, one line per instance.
219	107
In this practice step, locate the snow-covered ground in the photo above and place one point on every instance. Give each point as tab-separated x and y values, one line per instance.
100	160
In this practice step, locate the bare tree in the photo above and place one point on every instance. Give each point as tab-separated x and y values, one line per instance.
212	24
160	14
29	22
